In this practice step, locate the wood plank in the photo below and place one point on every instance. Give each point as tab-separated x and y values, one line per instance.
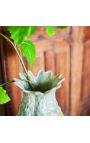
76	68
2	110
39	63
63	67
85	107
43	45
50	61
86	71
11	68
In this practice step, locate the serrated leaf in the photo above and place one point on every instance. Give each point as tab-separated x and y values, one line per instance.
28	49
19	33
4	98
50	30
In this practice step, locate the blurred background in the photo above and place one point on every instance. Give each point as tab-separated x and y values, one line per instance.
66	53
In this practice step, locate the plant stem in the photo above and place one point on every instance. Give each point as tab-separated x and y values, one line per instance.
20	58
6	83
15	50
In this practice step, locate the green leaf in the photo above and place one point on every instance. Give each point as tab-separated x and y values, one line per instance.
4	98
20	33
28	49
62	27
33	29
50	30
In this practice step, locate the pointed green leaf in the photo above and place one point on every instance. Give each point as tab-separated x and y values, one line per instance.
28	49
4	98
50	30
20	33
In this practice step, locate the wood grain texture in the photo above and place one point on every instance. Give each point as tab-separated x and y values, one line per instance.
62	66
85	98
49	61
2	109
86	71
11	67
39	63
76	69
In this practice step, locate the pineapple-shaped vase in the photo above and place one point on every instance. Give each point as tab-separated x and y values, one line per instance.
40	100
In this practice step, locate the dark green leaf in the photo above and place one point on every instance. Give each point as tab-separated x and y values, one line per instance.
62	27
33	29
50	30
4	98
28	49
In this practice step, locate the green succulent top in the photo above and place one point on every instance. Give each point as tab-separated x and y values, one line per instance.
43	82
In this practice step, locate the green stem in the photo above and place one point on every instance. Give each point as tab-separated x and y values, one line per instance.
20	58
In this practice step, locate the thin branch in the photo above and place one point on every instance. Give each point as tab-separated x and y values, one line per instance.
15	50
20	58
6	83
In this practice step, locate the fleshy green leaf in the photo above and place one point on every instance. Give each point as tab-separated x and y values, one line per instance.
28	49
4	98
50	30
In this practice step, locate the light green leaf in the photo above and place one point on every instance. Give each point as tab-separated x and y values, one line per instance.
50	30
20	33
28	49
4	98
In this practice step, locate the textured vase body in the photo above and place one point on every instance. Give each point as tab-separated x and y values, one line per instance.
39	104
42	101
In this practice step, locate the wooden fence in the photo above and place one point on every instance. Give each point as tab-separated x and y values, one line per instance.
66	53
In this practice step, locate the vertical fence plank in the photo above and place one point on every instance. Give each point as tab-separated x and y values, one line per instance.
2	111
76	69
85	99
86	71
42	46
39	63
11	67
86	64
62	64
50	60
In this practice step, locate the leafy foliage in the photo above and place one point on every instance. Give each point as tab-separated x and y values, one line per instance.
21	33
50	30
33	30
62	27
4	98
28	48
20	36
